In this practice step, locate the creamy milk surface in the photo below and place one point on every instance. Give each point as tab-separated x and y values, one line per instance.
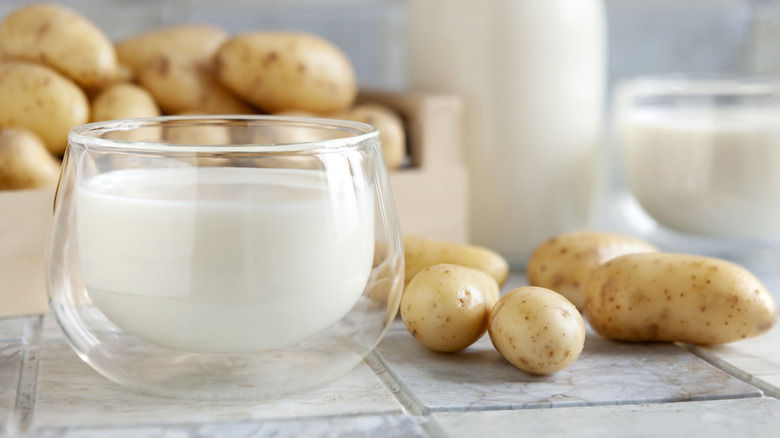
224	259
709	172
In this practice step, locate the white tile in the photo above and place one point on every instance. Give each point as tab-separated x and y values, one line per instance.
13	329
10	366
756	360
70	393
357	426
51	329
758	417
605	373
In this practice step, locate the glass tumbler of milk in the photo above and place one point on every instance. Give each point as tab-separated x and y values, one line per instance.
697	165
224	256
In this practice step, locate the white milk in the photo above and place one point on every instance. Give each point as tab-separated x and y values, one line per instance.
532	77
714	173
224	259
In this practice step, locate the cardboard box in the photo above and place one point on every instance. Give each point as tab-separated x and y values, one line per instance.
25	219
431	194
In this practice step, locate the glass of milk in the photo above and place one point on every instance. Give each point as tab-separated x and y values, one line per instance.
697	165
224	256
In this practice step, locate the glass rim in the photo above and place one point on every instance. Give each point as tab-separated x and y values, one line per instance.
702	85
86	134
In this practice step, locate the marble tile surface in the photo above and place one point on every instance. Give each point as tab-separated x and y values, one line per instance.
70	393
755	360
10	366
758	417
606	372
353	426
12	329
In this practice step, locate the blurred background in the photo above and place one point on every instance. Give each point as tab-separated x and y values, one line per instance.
644	36
537	78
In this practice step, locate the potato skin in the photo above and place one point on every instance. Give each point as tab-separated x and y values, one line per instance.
196	41
420	252
63	39
446	307
279	71
179	84
537	330
564	262
38	98
390	127
25	163
677	298
122	101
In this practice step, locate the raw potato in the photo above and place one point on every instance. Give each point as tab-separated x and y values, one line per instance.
565	262
38	98
180	84
123	101
537	330
446	307
420	252
202	134
278	71
197	42
25	163
677	298
390	126
62	39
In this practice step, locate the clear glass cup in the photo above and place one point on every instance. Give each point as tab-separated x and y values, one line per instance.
224	257
695	166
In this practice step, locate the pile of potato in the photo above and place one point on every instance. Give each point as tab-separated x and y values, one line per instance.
58	70
627	289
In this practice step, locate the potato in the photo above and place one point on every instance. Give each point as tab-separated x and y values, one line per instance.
278	71
122	101
445	307
39	99
420	252
677	298
197	42
62	39
390	127
184	132
537	330
179	84
565	262
25	163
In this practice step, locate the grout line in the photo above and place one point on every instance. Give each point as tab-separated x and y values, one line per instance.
409	401
730	369
21	417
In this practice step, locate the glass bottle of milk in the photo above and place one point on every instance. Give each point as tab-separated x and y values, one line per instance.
532	77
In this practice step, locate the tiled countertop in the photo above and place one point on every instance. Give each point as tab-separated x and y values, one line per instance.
404	390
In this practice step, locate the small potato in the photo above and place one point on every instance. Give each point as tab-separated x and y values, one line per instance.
537	330
419	253
185	132
25	163
565	262
122	101
61	38
278	71
179	84
38	98
677	298
390	126
197	42
445	307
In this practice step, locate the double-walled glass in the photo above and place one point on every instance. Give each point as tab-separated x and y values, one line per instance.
696	166
224	256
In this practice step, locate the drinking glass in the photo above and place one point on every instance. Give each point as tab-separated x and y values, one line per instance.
224	257
696	166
